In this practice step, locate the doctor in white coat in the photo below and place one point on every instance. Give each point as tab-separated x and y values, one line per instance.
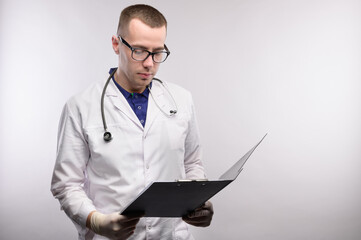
94	179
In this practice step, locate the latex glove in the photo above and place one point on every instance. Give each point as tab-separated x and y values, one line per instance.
114	225
201	217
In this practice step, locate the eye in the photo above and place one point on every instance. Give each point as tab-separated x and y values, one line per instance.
160	56
139	51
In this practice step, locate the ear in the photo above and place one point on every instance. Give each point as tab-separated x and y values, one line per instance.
115	44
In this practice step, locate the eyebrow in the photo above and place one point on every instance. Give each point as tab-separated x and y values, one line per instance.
155	49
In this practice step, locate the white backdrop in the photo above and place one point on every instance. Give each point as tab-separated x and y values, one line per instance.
289	68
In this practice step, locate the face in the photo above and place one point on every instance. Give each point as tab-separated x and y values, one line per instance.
134	75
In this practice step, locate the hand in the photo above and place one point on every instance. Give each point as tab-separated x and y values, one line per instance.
114	225
201	217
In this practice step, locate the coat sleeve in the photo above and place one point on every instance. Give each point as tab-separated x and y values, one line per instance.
193	151
69	177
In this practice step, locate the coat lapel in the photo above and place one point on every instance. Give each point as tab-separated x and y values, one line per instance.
119	101
156	102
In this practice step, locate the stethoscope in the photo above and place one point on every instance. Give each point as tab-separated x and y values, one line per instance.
107	135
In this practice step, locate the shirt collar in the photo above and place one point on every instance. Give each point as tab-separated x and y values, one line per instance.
127	94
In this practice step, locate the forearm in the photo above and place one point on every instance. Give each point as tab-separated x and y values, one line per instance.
73	201
193	165
193	150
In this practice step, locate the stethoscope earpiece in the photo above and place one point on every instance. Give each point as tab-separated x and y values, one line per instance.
107	136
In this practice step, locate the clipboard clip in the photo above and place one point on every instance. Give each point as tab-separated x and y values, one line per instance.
181	181
192	180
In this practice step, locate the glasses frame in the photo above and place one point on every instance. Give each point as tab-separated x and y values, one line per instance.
149	53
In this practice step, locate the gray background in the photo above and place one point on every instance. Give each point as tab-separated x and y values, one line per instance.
289	68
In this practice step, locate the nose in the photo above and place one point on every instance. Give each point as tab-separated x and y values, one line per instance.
148	62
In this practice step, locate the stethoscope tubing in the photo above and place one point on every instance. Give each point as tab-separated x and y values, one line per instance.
107	135
171	112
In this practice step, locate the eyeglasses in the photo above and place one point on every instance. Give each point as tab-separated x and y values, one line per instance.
140	54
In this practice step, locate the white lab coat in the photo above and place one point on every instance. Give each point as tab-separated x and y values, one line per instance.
91	174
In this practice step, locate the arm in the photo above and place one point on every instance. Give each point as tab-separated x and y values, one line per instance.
193	151
201	217
68	179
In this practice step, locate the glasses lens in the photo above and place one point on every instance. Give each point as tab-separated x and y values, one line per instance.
139	54
160	57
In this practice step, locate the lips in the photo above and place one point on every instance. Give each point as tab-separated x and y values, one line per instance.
145	75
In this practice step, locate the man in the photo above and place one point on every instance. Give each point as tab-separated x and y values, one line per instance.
154	137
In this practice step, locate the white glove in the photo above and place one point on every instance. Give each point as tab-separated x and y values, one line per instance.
114	225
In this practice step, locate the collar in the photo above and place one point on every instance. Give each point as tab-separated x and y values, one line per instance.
127	94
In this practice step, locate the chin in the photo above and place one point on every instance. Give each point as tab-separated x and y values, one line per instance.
146	81
143	83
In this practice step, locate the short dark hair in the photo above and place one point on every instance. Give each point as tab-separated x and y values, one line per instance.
145	13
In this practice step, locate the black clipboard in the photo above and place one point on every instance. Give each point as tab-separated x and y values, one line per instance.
177	199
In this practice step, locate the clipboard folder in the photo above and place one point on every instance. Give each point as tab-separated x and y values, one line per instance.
176	199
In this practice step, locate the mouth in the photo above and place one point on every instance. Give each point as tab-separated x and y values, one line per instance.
145	76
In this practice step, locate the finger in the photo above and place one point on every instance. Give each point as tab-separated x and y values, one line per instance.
197	219
119	233
123	220
129	227
116	217
208	204
204	222
199	224
205	209
134	215
129	224
132	220
200	213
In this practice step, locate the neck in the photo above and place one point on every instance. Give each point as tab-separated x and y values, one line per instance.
122	80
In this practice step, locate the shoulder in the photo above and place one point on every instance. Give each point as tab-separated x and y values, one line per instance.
84	104
178	97
87	97
176	87
178	92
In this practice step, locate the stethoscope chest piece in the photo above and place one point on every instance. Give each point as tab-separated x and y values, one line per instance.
107	136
